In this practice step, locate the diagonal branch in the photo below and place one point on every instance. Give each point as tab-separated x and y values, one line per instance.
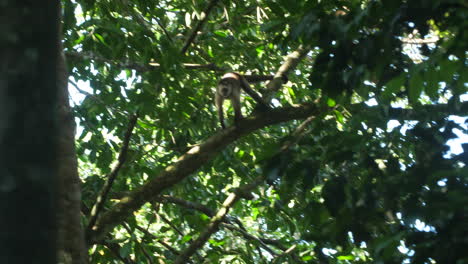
291	62
192	160
227	220
213	226
100	200
241	192
198	27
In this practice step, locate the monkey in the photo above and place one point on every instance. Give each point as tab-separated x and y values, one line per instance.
229	87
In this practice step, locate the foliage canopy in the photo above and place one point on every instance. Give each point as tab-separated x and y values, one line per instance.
351	166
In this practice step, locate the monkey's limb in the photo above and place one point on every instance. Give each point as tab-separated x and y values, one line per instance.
236	104
219	104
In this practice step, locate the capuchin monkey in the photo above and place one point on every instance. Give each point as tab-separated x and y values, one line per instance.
229	87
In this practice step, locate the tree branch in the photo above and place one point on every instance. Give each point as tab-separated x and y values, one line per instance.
160	241
211	213
417	113
291	62
241	192
213	226
420	41
198	27
114	248
258	78
186	204
139	66
248	236
192	160
100	200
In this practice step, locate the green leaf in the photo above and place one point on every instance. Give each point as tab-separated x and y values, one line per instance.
221	33
339	116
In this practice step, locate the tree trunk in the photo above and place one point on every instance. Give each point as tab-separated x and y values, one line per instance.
71	246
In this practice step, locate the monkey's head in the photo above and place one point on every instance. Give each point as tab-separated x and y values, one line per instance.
226	86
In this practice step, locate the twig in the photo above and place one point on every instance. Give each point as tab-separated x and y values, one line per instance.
167	221
248	236
285	253
198	27
297	134
139	66
100	200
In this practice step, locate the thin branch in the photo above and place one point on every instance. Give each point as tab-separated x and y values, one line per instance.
288	251
167	221
186	204
138	17
419	112
199	25
420	41
297	134
137	242
248	236
213	226
97	99
160	241
115	249
100	200
139	66
148	257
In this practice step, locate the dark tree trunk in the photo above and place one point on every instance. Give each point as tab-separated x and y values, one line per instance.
28	131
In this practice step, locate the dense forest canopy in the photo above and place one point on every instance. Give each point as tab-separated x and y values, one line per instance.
350	164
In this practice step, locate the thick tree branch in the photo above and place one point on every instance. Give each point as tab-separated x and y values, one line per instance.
192	160
291	62
199	25
100	200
